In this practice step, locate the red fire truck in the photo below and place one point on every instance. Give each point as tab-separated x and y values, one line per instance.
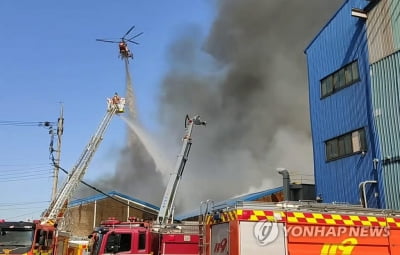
24	237
139	237
301	228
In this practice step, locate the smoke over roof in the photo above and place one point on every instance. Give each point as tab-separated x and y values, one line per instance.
248	80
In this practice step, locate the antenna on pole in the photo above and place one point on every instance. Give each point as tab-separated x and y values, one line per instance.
56	162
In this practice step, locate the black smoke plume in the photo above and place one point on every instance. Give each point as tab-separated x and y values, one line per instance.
248	79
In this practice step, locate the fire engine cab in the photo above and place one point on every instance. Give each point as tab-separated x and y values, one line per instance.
25	237
137	237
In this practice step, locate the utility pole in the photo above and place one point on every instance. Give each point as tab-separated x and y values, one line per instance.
60	130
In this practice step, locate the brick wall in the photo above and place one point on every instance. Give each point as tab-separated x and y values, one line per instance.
79	220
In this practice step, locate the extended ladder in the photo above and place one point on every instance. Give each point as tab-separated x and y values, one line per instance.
166	209
205	208
59	204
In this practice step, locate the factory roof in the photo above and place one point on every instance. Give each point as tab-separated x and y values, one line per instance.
113	194
232	201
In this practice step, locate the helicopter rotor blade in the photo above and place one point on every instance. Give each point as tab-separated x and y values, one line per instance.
132	41
133	37
128	31
103	40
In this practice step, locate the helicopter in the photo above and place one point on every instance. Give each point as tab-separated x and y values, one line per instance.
124	52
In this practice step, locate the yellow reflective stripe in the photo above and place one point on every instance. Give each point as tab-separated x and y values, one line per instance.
318	216
336	216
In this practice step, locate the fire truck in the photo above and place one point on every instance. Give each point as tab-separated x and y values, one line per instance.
42	236
301	228
24	237
161	237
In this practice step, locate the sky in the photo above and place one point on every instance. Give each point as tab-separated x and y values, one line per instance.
238	64
49	56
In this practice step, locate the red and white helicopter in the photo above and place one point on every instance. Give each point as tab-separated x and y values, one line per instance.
124	51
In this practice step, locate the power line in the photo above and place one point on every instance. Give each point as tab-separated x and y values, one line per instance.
25	214
25	178
30	174
20	208
24	171
23	165
22	203
17	123
105	194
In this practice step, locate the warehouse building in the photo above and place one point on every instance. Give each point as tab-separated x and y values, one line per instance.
353	69
83	215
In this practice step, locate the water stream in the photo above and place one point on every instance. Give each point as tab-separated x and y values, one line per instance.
163	165
137	132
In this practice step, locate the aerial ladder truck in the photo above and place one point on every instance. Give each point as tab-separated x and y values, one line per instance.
40	236
161	237
165	215
59	204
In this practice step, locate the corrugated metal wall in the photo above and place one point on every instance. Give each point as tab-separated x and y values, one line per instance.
395	8
383	26
379	32
385	78
341	41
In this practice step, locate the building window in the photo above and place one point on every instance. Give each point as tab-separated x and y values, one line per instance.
342	78
346	145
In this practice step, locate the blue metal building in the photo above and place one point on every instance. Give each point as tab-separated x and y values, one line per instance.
354	75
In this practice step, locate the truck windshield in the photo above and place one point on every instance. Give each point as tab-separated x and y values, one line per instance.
118	242
16	237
